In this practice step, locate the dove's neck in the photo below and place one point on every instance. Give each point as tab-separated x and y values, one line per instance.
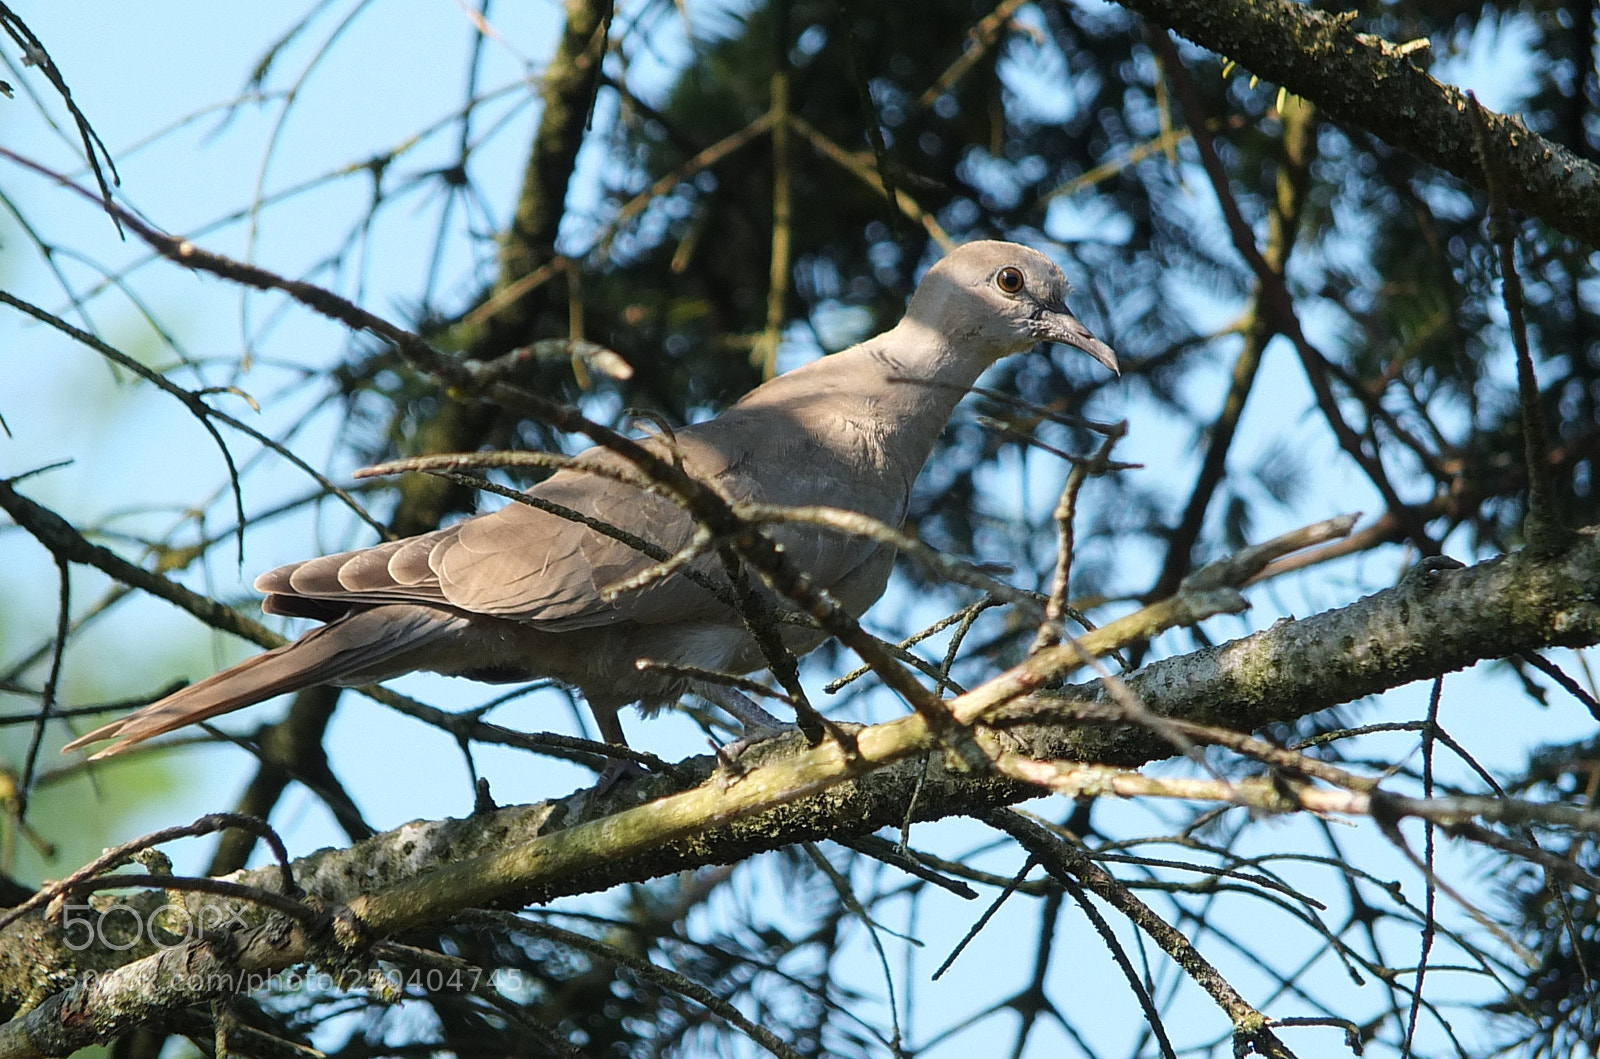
881	404
914	377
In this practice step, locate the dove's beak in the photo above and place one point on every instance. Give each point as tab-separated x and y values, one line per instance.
1068	329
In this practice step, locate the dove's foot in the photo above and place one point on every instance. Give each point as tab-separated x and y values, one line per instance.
741	708
753	735
615	772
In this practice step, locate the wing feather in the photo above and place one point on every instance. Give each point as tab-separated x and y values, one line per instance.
536	566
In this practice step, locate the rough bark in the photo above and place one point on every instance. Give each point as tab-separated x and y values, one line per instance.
1373	85
1435	621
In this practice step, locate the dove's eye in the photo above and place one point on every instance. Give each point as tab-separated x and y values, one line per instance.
1009	279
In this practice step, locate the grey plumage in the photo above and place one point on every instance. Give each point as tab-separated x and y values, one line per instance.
516	594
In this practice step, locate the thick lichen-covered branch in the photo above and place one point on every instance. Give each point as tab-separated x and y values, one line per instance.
1435	621
1374	85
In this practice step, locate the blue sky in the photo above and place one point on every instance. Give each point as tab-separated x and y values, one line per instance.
151	77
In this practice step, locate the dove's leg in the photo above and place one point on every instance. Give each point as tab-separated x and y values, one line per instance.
758	724
607	717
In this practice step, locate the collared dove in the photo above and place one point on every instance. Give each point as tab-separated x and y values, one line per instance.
516	594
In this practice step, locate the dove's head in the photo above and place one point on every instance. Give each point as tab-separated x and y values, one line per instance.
992	299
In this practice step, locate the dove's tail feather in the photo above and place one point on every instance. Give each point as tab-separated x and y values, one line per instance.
355	649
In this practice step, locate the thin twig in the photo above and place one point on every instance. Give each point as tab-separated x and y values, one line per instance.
961	616
980	39
94	150
120	855
1064	861
906	860
713	676
765	353
988	914
1066	510
864	173
1108	938
1546	533
47	700
62	539
644	968
1276	296
290	907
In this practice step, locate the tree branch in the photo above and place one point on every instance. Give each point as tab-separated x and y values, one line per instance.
1371	84
1433	622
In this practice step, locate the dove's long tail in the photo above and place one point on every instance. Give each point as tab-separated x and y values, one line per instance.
361	644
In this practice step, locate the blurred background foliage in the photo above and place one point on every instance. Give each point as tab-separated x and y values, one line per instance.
1054	124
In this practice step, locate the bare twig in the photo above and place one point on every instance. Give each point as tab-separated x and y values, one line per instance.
981	39
290	907
1063	861
1066	509
1299	138
962	617
47	700
1366	82
59	536
119	855
1209	590
765	353
1545	531
870	177
1275	294
94	151
644	968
